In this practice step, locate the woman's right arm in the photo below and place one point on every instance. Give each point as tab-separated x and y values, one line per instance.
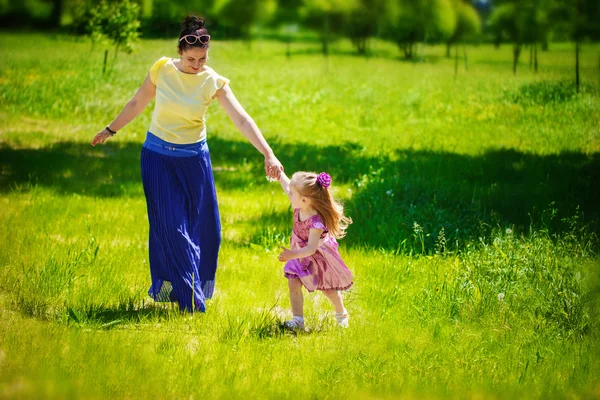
132	109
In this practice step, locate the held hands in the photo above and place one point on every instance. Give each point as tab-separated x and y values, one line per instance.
101	137
285	255
273	168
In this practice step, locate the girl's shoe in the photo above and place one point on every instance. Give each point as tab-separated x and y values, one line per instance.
342	319
295	323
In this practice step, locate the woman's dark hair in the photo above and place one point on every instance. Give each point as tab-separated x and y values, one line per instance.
192	25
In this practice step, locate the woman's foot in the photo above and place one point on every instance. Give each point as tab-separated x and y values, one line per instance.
342	319
295	323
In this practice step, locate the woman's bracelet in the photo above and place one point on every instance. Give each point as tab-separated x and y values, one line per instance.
110	131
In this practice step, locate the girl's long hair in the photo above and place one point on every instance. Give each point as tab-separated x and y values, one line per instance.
323	202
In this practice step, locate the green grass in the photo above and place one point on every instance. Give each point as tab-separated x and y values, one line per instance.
474	247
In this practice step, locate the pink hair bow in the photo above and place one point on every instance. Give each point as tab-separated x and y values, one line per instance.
324	179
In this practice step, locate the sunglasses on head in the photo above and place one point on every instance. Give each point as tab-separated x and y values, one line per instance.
192	39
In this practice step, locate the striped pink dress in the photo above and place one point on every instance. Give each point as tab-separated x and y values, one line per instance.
325	269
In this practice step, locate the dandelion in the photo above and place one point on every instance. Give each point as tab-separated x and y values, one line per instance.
508	231
500	296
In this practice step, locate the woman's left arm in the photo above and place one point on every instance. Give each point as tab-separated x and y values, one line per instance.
245	124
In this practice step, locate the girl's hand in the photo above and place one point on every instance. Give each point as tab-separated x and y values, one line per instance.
101	137
286	254
273	167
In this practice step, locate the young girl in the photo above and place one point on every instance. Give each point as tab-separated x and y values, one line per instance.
313	260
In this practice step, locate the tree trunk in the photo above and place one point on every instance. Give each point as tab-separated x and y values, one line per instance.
448	45
465	55
535	60
516	53
57	10
105	60
408	50
325	38
288	50
455	61
361	46
577	48
530	57
545	45
116	52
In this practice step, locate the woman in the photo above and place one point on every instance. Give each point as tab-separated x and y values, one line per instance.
185	230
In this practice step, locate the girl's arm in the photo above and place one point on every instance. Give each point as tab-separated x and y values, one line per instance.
284	181
132	109
246	125
313	243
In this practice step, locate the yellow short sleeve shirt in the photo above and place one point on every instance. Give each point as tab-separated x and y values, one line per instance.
181	101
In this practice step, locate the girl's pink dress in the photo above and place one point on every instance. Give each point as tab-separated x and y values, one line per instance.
325	269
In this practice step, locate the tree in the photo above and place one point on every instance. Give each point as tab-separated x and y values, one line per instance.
114	23
241	15
524	22
506	20
537	24
287	16
581	20
363	22
467	24
163	17
411	21
327	17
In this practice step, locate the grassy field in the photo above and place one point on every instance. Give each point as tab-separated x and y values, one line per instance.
474	248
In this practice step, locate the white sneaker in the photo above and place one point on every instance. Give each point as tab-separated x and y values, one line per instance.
295	323
342	319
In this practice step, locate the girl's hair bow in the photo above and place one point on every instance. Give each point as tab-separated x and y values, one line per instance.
324	180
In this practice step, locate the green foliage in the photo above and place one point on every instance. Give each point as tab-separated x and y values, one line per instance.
288	12
242	15
328	18
410	22
504	21
364	22
115	23
580	19
544	93
31	14
468	23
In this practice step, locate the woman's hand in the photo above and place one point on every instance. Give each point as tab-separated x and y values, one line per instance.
101	137
273	167
285	255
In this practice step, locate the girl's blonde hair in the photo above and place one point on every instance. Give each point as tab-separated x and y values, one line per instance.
323	202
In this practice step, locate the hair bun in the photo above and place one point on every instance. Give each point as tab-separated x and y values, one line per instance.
192	23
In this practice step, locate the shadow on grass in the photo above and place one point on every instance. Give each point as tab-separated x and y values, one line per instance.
461	194
109	317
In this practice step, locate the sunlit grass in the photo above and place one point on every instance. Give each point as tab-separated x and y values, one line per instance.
475	207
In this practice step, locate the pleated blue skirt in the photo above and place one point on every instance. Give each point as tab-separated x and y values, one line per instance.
185	229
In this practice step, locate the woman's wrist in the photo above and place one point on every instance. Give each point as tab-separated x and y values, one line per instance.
268	153
110	131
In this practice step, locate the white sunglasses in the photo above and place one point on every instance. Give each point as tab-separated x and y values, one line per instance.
192	39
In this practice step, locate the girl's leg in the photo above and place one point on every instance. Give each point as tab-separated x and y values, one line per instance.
341	315
336	299
296	298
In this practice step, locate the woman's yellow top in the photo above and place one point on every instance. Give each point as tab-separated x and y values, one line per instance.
181	101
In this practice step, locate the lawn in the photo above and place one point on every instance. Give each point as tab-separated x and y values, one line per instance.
474	246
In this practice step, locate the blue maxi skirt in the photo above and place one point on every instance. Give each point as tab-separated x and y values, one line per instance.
185	229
